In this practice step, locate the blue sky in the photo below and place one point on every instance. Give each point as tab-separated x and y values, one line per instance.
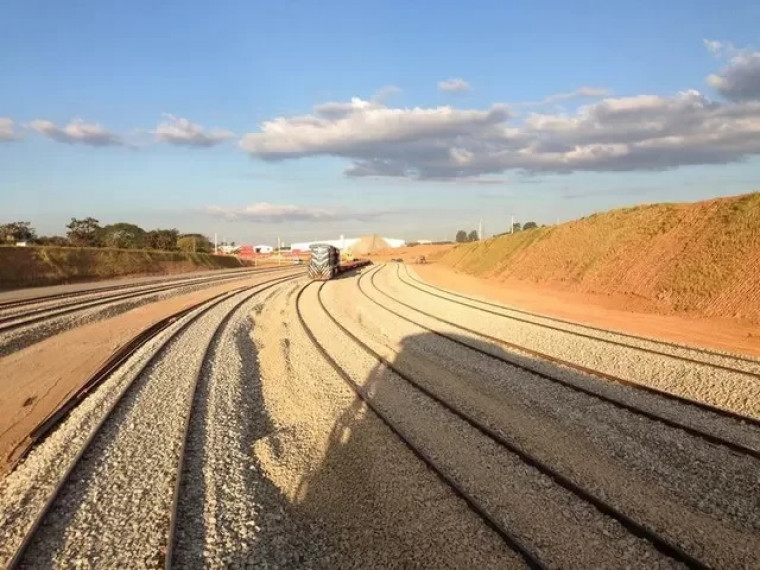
308	119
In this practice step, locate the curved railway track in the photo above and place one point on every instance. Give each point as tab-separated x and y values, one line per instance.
192	315
37	315
473	304
649	414
639	529
512	541
105	288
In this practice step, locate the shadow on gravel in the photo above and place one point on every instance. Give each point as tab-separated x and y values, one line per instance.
381	506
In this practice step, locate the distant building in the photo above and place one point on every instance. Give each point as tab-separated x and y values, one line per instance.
229	249
263	248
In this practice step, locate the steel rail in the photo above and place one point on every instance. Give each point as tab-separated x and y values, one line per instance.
204	307
696	432
675	345
41	314
173	514
507	536
109	288
636	528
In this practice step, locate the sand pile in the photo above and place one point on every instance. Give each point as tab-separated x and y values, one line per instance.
369	244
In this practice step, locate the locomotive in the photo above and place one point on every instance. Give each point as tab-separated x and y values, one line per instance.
325	262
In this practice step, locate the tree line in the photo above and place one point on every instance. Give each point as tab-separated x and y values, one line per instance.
463	237
87	232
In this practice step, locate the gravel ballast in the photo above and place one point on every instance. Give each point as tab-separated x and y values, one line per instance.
229	514
116	505
738	392
61	315
694	492
527	502
373	501
285	467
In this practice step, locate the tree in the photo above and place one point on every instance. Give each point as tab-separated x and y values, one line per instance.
84	233
165	240
530	226
17	231
123	236
461	236
516	227
473	236
194	243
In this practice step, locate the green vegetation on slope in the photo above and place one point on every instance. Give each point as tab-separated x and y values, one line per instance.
702	257
34	266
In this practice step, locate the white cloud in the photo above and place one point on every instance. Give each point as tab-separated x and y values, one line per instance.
455	85
358	126
182	132
264	212
77	131
645	132
739	80
6	130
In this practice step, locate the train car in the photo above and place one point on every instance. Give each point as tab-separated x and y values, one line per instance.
325	262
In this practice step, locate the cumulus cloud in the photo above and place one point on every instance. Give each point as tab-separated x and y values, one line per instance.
369	129
77	131
264	212
180	131
739	80
645	132
455	85
6	130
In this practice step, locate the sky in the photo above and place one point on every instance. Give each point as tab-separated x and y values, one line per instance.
300	120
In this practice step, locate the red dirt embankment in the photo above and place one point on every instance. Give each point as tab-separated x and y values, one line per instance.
701	258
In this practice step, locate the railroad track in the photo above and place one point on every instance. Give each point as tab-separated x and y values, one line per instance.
707	411
115	448
36	315
585	329
639	529
105	288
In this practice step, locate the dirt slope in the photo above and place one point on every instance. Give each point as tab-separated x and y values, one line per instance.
35	266
702	257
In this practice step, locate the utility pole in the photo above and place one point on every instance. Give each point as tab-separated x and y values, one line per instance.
512	227
480	229
279	253
216	249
